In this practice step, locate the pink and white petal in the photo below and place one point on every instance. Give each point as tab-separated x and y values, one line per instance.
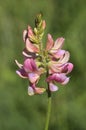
58	43
33	64
67	68
31	47
53	87
50	42
65	81
24	35
39	90
65	58
22	73
29	65
59	53
26	55
33	77
70	67
30	31
60	78
18	64
53	67
30	91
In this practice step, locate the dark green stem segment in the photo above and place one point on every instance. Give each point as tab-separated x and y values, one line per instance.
48	110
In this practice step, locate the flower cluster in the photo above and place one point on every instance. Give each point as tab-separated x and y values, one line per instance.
51	60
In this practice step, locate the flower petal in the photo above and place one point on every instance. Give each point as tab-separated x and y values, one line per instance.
39	90
58	53
67	68
58	44
50	42
60	78
65	58
30	91
53	87
65	81
22	73
18	64
31	47
54	67
29	65
43	24
24	35
27	54
30	31
33	77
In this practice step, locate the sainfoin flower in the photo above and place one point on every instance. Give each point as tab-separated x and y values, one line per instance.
52	61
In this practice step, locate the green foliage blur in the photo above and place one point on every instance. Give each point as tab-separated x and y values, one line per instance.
18	111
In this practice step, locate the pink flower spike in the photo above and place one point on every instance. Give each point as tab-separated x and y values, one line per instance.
58	44
53	87
31	47
50	42
29	65
24	35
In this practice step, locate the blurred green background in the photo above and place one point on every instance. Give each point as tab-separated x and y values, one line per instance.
18	111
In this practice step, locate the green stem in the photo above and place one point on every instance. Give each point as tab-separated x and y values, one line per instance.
48	110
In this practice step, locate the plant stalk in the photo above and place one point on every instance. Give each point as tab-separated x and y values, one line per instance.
48	110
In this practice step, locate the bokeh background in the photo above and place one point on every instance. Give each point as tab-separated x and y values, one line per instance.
18	111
